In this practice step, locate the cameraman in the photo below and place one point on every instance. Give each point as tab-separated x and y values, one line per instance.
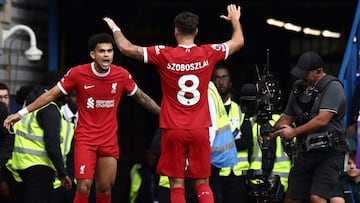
317	106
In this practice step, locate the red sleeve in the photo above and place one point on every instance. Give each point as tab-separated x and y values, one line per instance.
151	54
68	82
130	86
217	52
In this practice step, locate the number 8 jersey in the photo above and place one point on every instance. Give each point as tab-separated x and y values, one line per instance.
185	72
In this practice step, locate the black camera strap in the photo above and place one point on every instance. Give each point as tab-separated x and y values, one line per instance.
306	102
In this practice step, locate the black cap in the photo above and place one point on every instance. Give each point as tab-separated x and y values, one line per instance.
308	61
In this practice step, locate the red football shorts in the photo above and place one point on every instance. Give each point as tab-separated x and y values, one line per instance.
185	153
85	156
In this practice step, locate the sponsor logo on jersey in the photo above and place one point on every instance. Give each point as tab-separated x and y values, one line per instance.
105	103
187	66
88	86
91	103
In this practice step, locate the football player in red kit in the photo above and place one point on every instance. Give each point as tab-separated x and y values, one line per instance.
185	72
99	86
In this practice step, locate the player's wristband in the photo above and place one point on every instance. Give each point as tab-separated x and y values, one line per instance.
116	29
23	111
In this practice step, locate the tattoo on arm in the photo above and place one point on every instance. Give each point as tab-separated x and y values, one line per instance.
127	48
145	101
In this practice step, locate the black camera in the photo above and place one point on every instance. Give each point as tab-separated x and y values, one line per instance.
262	187
262	100
264	97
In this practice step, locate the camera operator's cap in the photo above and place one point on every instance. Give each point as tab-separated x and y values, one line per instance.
308	61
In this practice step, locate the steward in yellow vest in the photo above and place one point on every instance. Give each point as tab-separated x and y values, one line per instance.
37	154
223	148
226	182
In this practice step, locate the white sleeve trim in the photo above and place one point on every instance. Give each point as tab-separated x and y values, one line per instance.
133	92
226	51
61	88
146	59
212	128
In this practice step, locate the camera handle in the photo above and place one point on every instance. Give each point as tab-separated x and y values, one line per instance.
268	148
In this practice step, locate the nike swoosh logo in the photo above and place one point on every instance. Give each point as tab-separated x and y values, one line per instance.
88	86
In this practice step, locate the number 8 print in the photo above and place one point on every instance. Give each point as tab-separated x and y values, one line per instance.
185	90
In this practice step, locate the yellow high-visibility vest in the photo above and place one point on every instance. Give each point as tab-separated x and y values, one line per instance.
135	182
236	119
282	163
29	145
65	143
164	181
222	128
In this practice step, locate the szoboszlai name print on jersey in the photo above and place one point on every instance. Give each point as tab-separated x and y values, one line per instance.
187	66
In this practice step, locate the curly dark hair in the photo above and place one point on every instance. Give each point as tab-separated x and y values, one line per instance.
100	38
186	23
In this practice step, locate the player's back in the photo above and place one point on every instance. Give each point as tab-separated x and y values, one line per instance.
185	72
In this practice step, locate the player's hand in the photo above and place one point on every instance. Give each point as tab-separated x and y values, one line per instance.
110	23
11	119
233	13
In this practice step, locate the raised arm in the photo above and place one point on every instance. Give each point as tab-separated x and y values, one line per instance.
44	99
124	45
237	38
145	101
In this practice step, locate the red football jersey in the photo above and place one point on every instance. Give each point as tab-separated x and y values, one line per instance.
98	96
185	72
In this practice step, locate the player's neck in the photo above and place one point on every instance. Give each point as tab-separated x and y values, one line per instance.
185	40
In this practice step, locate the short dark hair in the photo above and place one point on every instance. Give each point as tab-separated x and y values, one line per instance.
186	23
221	65
22	93
100	38
352	155
3	86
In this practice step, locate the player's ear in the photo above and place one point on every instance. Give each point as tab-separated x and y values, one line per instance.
175	31
92	54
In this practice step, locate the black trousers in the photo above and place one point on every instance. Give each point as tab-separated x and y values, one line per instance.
61	195
228	189
37	184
